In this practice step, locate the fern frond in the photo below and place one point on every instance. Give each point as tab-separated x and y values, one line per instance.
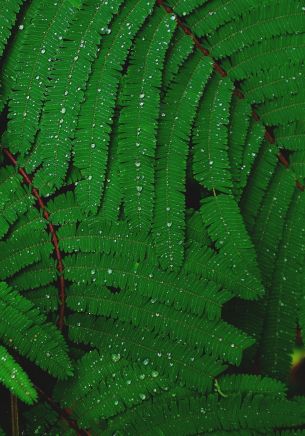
25	328
45	298
238	137
182	292
65	209
185	7
282	110
32	73
268	229
291	136
252	60
258	181
31	222
15	379
176	360
286	290
43	271
211	414
139	119
215	14
203	263
93	134
11	59
179	50
15	255
195	229
211	165
227	344
114	386
252	146
41	418
15	199
180	103
225	226
279	82
256	25
105	237
267	234
68	80
297	164
8	11
255	384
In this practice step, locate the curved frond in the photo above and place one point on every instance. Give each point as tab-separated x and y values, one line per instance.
32	72
176	360
138	120
180	103
226	227
93	134
15	379
66	91
211	165
23	326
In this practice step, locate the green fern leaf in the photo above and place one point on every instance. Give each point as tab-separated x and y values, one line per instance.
15	379
160	318
180	103
92	137
8	12
32	73
265	22
286	290
69	78
177	361
225	225
211	166
138	120
25	327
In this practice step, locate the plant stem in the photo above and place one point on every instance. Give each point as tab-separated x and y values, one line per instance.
14	415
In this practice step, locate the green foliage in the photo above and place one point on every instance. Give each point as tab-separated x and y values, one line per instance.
152	208
15	379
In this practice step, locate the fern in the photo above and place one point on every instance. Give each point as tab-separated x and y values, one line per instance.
152	217
90	153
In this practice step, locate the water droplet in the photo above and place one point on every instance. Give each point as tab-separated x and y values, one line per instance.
109	270
63	110
115	357
21	27
142	95
154	374
137	164
145	361
169	224
139	188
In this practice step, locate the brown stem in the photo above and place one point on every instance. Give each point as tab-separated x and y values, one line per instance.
46	215
217	67
14	415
